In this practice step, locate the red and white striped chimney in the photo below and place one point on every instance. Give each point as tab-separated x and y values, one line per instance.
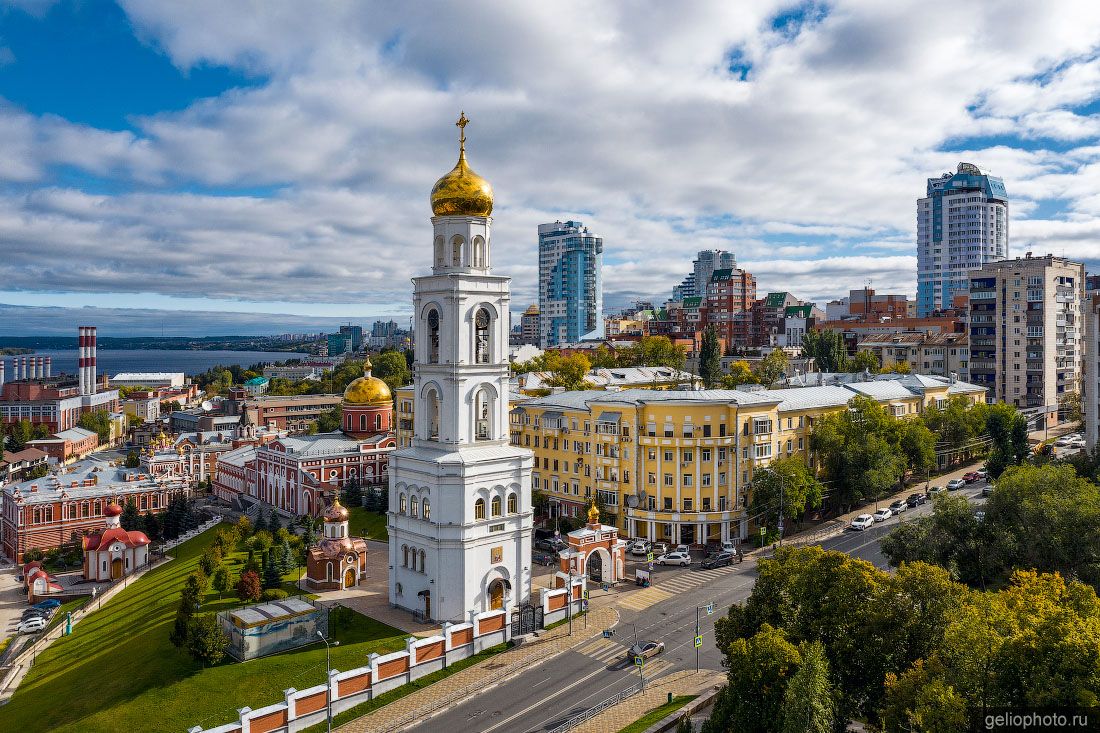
49	367
38	366
82	359
91	360
1	372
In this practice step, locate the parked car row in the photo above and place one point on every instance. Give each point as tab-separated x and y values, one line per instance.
1072	440
37	617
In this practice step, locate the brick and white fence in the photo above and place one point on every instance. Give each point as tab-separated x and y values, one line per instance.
302	708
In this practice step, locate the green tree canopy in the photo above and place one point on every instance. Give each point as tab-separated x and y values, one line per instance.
710	358
772	367
740	373
826	348
788	478
569	371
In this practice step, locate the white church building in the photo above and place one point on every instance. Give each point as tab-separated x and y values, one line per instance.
460	517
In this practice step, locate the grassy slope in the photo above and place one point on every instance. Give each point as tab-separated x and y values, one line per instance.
658	714
119	672
362	523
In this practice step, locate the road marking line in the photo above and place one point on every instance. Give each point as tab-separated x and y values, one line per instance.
543	701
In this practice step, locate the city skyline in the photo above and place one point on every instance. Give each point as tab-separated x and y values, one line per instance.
169	157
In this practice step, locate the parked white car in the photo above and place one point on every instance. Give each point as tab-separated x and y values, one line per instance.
675	558
882	514
32	625
729	547
955	484
639	548
863	521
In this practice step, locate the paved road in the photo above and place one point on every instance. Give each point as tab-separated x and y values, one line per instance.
548	695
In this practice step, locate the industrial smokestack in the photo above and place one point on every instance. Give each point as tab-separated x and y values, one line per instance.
91	360
39	365
49	367
15	369
1	372
82	359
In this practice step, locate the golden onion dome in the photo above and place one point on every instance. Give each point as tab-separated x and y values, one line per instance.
461	192
336	512
368	390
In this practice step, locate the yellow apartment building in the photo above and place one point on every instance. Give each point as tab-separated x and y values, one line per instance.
677	466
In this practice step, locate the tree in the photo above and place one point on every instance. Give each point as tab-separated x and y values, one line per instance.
208	563
220	581
206	642
863	361
131	518
772	367
826	348
759	669
859	451
918	445
275	522
99	422
132	459
653	351
1069	406
808	705
262	541
352	495
272	577
244	527
248	586
391	368
898	367
190	599
740	373
285	559
19	434
331	420
790	479
710	358
568	371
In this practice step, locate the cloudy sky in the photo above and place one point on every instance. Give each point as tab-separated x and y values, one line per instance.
276	157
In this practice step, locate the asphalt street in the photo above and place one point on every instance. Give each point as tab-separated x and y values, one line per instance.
546	696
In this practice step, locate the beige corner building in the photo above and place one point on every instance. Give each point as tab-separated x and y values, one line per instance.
1026	330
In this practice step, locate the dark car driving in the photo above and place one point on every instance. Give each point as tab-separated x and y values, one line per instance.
718	560
915	500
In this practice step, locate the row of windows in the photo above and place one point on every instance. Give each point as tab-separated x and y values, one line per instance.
84	510
409	558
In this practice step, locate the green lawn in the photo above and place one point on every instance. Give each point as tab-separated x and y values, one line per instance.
362	523
119	672
658	714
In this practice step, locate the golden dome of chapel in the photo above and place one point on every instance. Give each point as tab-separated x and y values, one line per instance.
368	390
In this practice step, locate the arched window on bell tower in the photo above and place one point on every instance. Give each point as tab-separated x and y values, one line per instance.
482	345
432	401
433	336
456	250
440	258
483	414
480	252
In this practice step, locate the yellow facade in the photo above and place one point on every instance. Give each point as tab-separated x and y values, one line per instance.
677	466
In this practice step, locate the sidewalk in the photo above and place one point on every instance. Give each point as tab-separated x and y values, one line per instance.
484	675
685	682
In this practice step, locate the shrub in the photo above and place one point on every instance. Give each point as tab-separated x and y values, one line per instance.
248	587
273	594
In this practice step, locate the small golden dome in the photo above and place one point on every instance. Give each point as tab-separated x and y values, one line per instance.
461	192
593	514
336	512
368	390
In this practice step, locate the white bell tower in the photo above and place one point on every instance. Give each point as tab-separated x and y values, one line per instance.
460	516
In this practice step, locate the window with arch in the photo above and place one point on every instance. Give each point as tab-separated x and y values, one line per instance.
483	415
439	258
49	514
431	400
363	422
427	509
433	336
37	516
479	253
414	507
513	504
404	556
402	504
144	501
479	509
496	506
483	320
421	561
378	421
456	250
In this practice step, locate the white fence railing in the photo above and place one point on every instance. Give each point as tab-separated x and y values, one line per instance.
597	709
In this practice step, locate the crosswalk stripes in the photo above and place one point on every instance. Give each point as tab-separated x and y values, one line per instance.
604	650
644	598
654	667
669	585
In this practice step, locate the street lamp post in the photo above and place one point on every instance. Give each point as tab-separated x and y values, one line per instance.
328	678
569	598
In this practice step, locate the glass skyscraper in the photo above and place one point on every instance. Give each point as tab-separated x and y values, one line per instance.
962	223
570	284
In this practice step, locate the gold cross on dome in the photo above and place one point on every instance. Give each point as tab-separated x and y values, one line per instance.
461	124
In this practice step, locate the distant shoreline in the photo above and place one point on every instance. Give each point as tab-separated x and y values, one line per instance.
13	345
